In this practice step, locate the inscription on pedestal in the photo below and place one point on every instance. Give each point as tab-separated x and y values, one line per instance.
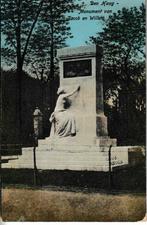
77	68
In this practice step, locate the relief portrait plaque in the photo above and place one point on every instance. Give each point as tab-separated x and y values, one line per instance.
77	68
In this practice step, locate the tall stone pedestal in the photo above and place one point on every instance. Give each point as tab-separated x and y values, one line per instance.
82	66
88	149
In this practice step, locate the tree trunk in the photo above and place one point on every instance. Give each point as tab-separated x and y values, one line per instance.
51	74
19	72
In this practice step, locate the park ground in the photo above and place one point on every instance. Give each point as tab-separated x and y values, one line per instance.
74	196
22	204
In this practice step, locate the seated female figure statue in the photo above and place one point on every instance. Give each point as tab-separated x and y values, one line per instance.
63	121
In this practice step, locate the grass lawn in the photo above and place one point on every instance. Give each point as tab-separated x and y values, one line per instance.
132	179
47	205
74	195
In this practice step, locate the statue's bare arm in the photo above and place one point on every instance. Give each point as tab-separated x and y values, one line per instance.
73	92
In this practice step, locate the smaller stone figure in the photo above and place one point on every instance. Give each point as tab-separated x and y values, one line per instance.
63	121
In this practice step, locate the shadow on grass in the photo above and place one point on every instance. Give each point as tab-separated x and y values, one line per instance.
131	179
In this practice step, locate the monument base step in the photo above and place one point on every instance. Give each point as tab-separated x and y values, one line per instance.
77	143
47	159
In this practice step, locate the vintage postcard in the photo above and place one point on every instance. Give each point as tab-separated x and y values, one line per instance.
73	110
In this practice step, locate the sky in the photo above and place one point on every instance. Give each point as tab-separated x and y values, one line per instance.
83	29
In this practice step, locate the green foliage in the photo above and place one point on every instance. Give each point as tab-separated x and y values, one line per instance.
33	30
31	97
123	43
19	18
51	33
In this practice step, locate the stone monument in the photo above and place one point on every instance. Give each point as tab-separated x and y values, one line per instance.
79	137
81	67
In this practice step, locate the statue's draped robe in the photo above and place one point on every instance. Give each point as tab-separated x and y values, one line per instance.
63	121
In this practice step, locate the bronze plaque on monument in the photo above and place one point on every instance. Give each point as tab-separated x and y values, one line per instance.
77	68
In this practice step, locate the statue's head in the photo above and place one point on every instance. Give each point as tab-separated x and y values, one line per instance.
61	90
